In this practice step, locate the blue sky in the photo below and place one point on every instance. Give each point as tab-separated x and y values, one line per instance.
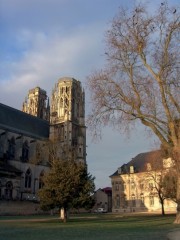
44	40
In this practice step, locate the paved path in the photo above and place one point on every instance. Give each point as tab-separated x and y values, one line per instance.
174	235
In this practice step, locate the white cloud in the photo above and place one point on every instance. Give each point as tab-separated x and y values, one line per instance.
46	58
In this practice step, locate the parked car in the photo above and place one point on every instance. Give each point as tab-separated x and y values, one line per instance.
100	210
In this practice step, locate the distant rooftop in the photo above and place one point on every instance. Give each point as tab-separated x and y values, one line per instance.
140	162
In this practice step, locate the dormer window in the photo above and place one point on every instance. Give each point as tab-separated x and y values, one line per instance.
149	168
131	169
119	170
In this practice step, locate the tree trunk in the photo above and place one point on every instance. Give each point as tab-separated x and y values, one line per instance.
162	208
63	214
177	220
161	199
177	160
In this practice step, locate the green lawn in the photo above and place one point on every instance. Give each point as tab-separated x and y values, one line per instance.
86	227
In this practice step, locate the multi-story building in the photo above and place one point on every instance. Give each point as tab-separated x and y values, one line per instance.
24	137
135	184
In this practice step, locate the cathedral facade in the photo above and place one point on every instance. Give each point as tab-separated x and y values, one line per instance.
25	137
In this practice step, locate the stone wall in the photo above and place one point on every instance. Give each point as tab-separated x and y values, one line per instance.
19	208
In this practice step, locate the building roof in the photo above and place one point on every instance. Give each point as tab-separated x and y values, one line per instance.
14	120
140	162
107	190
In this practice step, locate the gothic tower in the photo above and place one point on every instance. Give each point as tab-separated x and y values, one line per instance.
67	118
36	104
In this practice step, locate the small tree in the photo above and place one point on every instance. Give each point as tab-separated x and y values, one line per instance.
67	185
155	178
160	178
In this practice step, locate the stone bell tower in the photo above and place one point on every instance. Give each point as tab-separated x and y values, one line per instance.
37	104
67	119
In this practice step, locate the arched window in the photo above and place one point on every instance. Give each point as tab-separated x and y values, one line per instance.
28	178
61	90
61	102
8	190
41	183
25	152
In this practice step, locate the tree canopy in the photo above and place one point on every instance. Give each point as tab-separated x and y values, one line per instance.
67	185
141	78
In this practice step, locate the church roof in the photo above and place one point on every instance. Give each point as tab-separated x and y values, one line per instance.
140	162
14	120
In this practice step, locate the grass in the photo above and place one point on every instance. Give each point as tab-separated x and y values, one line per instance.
87	227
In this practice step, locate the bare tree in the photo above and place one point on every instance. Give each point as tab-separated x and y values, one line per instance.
140	82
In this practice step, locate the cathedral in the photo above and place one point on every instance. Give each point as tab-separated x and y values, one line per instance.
25	137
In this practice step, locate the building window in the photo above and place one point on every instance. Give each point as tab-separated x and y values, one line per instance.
25	152
149	168
28	178
133	200
117	201
142	199
116	186
132	186
131	169
8	190
11	148
41	183
61	102
151	200
124	201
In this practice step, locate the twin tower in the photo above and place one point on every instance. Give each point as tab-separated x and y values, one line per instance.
65	114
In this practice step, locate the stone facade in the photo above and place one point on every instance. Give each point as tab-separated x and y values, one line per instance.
25	135
134	184
67	121
36	104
